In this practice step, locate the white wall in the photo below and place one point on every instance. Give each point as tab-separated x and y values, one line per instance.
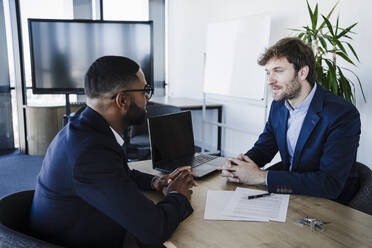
187	26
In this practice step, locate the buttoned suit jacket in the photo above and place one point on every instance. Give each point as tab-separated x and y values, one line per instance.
86	196
325	151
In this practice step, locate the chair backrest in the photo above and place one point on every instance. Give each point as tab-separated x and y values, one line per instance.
362	201
15	210
14	222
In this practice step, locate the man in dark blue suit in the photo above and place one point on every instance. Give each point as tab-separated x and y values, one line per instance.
315	132
86	196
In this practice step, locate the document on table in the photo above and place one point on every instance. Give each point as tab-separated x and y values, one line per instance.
216	203
273	207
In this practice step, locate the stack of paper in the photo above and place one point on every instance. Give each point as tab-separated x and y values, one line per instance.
235	205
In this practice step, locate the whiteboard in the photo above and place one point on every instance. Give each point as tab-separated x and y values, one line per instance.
232	50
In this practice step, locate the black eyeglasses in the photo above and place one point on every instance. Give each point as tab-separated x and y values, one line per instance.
149	90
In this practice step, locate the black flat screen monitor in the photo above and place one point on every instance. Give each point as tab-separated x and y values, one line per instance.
63	50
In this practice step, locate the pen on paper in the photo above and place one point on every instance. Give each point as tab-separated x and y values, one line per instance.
258	196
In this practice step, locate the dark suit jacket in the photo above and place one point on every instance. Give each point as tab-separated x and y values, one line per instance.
325	151
86	196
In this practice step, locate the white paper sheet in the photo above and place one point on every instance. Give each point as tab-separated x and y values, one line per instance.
272	207
215	204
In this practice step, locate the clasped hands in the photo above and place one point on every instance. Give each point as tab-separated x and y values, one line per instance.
243	170
180	180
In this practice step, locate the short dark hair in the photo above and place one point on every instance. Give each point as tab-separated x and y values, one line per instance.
109	73
297	53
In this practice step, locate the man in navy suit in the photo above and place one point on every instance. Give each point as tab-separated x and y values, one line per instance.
315	132
86	196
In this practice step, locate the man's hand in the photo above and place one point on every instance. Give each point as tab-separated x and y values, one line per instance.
181	184
161	182
243	170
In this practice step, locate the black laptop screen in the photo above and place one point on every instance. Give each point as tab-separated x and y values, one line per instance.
171	137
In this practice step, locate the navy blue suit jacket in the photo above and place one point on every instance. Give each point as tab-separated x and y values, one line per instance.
86	196
325	151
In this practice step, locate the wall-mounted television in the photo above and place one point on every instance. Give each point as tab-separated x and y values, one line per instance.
62	50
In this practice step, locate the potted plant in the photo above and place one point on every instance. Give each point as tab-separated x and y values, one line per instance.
330	43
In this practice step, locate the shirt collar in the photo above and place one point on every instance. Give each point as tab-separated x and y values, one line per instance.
118	138
304	106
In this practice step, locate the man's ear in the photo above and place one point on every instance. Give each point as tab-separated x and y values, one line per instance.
122	101
303	72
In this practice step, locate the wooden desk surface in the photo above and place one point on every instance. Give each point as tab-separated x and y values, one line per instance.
346	227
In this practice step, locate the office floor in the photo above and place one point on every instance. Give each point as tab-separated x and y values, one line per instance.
18	172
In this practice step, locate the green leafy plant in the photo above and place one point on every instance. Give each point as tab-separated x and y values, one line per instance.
330	43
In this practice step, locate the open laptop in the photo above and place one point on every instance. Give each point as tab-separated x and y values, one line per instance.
172	145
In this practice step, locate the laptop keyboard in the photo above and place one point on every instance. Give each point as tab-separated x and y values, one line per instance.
197	160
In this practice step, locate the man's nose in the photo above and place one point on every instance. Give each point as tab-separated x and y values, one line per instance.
270	79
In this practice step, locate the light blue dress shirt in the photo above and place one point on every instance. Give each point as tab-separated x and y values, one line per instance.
295	121
294	124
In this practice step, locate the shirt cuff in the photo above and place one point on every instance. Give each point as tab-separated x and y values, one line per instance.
152	180
267	174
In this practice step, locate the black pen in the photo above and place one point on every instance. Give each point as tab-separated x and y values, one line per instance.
258	196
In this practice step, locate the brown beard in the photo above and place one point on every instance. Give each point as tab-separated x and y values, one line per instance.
293	90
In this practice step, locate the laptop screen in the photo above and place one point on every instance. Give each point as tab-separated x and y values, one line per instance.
171	138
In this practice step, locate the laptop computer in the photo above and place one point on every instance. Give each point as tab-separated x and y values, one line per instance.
172	145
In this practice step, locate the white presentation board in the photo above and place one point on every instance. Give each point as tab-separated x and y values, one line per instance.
232	50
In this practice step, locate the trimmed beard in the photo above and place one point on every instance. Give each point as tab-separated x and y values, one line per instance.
292	91
135	115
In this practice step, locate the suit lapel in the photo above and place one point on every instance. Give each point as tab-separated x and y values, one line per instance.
310	122
282	134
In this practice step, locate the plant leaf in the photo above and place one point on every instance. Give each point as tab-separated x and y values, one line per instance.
338	17
311	14
353	51
346	30
328	16
333	85
345	86
345	57
315	19
330	39
295	29
348	37
328	25
359	82
323	42
339	44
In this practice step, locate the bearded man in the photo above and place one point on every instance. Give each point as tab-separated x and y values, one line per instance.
315	132
86	196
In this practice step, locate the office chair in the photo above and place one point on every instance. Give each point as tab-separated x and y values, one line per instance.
137	139
362	200
14	218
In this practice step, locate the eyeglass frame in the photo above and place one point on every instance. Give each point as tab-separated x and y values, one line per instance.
148	89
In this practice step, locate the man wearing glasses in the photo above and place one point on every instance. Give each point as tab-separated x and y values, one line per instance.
86	196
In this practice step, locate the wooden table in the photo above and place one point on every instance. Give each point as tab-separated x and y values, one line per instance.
346	227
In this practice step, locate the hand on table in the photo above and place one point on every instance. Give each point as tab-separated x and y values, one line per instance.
181	184
162	183
243	170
